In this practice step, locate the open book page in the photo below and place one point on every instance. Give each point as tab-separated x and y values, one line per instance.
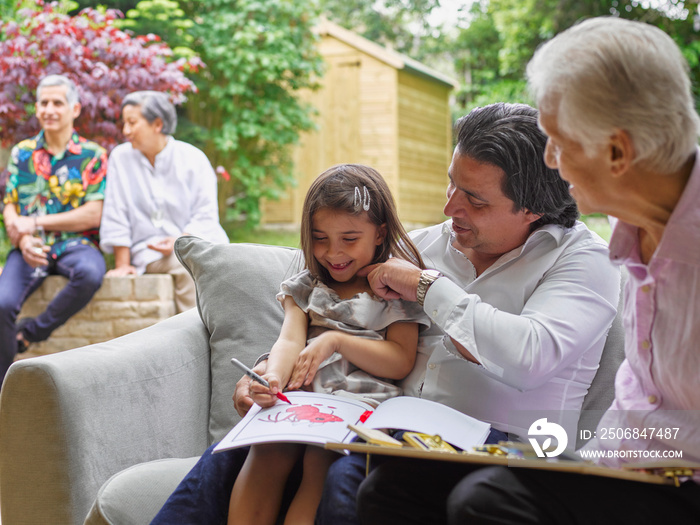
429	417
318	419
311	418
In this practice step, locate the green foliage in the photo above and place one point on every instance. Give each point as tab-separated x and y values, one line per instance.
522	25
504	90
122	5
494	40
473	50
259	55
5	245
164	18
399	24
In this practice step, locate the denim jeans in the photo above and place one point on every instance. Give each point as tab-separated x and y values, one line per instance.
82	264
202	497
337	506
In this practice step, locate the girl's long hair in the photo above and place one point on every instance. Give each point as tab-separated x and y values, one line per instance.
356	189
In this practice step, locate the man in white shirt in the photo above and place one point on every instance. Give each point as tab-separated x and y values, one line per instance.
521	304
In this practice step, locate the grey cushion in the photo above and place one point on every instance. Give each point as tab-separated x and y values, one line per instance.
236	289
135	495
602	390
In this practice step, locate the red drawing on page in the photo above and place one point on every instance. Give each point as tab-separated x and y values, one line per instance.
301	414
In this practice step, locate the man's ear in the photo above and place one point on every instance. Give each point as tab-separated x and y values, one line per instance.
76	110
532	217
621	152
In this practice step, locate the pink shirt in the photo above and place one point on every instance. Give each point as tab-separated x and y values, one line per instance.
658	385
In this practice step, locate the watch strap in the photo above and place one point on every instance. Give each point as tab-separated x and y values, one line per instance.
427	278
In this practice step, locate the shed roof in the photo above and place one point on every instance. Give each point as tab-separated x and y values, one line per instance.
388	56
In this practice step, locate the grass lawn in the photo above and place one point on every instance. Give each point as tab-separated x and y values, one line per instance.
276	237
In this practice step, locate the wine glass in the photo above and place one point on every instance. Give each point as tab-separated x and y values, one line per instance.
40	271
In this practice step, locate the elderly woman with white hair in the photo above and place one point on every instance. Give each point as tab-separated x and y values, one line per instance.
158	188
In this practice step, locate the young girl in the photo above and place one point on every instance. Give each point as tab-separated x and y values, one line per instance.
335	336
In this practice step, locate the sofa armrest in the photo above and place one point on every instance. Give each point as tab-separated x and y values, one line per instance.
69	421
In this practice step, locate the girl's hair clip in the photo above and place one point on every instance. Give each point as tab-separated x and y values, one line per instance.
362	199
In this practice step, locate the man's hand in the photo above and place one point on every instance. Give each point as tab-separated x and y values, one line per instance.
164	246
393	279
242	400
34	251
20	227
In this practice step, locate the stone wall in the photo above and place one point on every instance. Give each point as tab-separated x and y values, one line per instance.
122	305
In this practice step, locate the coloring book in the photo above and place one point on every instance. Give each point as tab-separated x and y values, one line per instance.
318	419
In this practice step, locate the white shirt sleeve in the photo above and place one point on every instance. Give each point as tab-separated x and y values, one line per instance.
567	312
115	226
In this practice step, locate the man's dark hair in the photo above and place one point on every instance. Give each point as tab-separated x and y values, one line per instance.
507	136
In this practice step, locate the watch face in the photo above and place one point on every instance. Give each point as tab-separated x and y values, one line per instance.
433	273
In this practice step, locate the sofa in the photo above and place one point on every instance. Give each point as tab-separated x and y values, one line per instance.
103	434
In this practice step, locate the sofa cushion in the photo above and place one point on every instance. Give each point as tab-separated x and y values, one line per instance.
602	390
135	495
236	289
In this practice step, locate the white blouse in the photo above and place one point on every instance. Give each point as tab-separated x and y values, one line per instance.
145	203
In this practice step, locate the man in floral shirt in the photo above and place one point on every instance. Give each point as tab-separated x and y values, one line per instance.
52	212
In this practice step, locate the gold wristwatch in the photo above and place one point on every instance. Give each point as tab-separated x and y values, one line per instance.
427	277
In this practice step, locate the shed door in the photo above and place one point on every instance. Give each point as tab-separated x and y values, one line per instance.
341	112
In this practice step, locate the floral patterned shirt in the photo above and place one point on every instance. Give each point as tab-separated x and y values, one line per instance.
43	184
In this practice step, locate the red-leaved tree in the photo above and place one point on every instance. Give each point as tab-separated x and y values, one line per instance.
105	62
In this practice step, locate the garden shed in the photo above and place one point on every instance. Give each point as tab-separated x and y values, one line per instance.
380	108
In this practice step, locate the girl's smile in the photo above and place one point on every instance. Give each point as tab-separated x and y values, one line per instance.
343	243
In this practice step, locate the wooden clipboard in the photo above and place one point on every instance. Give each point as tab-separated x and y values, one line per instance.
577	467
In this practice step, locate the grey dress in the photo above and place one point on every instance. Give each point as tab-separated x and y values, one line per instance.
362	315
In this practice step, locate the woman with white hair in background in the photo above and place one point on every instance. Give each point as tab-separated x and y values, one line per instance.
158	188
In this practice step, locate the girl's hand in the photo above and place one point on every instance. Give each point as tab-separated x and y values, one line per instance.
263	396
311	357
